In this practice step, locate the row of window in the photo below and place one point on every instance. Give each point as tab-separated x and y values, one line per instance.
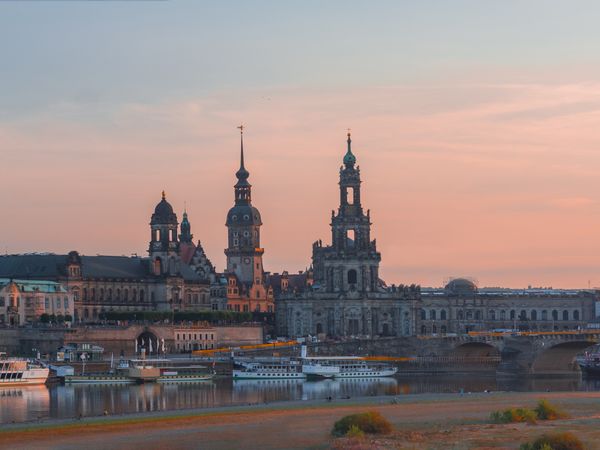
246	308
189	336
118	294
512	315
29	302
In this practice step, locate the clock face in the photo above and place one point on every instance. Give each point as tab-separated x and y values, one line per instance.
246	260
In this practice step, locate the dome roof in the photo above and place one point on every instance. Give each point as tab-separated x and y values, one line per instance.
163	213
461	286
243	215
349	158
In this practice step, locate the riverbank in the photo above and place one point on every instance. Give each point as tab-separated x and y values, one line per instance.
437	421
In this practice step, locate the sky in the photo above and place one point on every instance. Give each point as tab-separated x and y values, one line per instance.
475	124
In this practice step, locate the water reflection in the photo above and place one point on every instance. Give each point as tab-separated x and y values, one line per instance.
21	404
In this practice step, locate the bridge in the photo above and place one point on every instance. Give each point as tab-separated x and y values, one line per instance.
509	354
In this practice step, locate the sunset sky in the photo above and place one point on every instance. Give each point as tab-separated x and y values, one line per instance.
476	125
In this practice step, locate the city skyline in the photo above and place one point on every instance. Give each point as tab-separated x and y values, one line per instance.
477	145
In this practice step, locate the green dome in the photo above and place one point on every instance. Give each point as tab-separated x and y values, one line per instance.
349	158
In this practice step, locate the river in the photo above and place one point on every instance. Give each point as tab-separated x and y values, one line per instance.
34	403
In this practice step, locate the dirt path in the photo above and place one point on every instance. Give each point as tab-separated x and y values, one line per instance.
448	421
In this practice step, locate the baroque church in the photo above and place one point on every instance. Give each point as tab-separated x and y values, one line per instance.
346	297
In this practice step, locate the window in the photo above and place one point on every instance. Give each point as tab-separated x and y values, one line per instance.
533	314
544	315
58	302
423	315
237	308
576	315
432	315
513	314
245	308
47	303
443	314
492	314
554	314
565	315
352	276
350	237
66	303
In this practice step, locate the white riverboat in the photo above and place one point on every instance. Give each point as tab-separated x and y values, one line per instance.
310	367
268	368
345	367
21	372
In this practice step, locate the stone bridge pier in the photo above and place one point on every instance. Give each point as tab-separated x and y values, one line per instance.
543	355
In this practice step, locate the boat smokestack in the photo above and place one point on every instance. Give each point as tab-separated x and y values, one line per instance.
303	351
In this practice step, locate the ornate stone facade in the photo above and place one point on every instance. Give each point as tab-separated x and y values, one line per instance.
460	307
347	297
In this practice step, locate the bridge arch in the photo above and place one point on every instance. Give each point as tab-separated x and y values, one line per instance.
560	358
476	350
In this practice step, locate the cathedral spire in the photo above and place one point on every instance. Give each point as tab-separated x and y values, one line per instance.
242	174
349	158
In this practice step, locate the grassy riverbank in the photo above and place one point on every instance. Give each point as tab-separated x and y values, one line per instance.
436	421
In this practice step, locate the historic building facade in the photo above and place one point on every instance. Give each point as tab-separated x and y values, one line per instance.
460	307
247	289
346	297
177	275
26	301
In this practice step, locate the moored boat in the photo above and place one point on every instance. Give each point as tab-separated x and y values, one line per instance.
21	372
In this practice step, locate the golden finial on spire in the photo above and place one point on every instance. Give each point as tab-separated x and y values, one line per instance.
163	194
241	128
349	132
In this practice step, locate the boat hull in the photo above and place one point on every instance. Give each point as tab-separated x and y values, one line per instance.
29	377
241	375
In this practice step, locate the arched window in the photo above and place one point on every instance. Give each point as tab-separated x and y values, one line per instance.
492	314
432	315
85	297
523	315
134	294
477	315
544	315
443	329
125	294
434	329
423	329
533	314
93	294
565	315
502	315
352	276
554	314
512	314
109	294
141	295
576	314
443	314
118	295
101	293
423	315
469	315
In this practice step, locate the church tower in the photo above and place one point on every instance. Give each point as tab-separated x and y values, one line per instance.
351	263
244	253
186	235
164	246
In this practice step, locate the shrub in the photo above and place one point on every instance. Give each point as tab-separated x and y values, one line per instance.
355	432
555	441
514	415
547	411
370	422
